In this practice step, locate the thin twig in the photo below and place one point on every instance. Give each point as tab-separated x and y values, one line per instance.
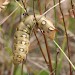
66	36
1	22
40	48
45	6
72	8
38	39
24	4
48	52
49	56
50	9
39	5
44	12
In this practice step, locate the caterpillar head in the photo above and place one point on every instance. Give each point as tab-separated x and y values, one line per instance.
47	26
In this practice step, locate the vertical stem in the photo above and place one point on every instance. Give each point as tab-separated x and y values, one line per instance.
38	39
39	5
22	69
55	13
56	55
72	8
45	6
14	70
56	63
66	36
48	52
49	56
40	48
24	4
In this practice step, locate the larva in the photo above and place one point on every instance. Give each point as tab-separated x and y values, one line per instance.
21	39
47	26
22	35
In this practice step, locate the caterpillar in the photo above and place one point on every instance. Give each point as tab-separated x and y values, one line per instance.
23	32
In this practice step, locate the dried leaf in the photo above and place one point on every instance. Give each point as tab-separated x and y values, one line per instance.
3	4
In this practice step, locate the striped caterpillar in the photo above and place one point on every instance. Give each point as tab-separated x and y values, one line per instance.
22	35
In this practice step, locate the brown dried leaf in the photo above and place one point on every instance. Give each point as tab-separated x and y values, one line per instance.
3	4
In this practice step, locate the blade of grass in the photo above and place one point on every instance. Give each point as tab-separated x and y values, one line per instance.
1	22
56	55
44	12
59	67
50	9
66	36
20	5
64	54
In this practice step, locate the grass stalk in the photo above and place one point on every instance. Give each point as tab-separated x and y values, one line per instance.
66	36
61	56
72	6
64	54
51	9
15	69
56	55
22	69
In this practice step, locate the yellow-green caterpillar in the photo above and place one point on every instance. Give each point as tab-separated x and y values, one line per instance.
22	35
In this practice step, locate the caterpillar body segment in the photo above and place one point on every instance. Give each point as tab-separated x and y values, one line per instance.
22	35
47	26
22	39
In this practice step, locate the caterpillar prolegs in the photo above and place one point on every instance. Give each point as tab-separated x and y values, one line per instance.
22	35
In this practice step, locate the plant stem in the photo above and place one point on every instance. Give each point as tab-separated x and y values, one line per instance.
40	48
39	5
48	52
56	55
49	56
22	69
66	36
37	37
64	54
72	8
